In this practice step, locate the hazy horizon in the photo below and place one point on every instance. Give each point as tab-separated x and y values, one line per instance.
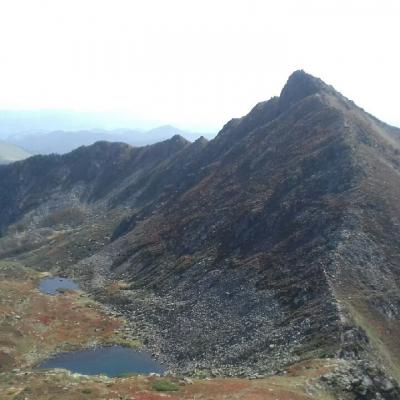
47	120
194	65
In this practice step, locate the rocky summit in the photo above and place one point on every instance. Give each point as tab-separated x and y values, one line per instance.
276	243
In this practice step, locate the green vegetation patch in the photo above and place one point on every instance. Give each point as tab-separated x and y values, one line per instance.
164	385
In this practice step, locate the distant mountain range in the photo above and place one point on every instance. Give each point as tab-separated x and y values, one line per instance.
34	121
10	152
61	141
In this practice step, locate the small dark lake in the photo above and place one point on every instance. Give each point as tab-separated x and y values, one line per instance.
52	285
109	360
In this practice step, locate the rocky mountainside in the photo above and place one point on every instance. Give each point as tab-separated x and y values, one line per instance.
275	242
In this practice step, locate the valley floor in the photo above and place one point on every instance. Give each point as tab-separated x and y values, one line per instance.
34	325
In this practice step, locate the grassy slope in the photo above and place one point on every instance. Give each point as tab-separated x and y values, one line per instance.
34	325
66	387
9	153
371	292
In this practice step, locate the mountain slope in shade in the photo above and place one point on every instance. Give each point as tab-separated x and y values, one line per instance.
275	242
10	153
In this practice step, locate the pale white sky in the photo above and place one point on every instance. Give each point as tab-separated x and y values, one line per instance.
194	63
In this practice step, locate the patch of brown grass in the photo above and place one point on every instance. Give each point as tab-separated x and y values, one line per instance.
34	325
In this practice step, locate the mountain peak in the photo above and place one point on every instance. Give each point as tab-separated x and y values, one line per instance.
178	139
299	85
